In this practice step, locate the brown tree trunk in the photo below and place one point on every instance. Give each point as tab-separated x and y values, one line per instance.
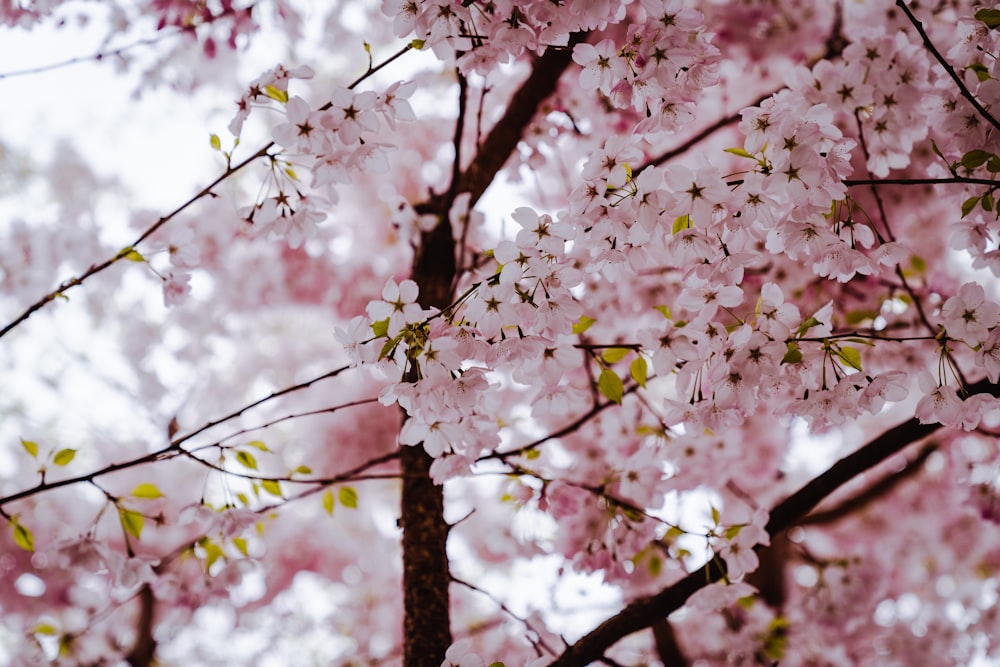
426	629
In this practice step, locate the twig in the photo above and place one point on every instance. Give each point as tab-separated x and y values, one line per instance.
929	45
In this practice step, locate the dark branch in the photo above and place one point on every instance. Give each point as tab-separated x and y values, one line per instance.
642	613
929	45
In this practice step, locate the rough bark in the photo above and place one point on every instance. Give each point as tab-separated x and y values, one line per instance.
426	629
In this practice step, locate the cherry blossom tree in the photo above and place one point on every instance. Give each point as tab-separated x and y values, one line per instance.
692	302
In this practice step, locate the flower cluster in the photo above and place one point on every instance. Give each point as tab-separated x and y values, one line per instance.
666	59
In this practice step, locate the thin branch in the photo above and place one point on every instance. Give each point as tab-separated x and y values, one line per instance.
70	283
177	442
569	428
539	644
929	45
171	451
699	137
96	57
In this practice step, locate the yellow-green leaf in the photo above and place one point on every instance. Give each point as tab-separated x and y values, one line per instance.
638	370
302	470
31	447
380	328
611	385
241	545
348	497
22	536
132	521
45	629
615	354
63	456
213	552
272	486
216	142
850	356
655	565
740	152
247	459
147	490
276	94
681	223
584	324
258	445
242	497
328	501
417	44
131	254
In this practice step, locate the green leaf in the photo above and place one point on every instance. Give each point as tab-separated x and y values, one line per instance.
919	264
258	445
132	521
63	456
614	354
975	158
968	205
328	502
716	516
242	497
276	94
793	354
681	223
417	44
532	454
247	459
348	497
22	536
272	486
740	152
987	202
664	311
31	447
584	324
302	470
497	664
993	165
216	142
638	370
611	385
808	324
981	70
989	17
850	356
146	490
732	531
45	629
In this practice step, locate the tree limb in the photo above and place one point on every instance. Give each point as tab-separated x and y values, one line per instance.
645	611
